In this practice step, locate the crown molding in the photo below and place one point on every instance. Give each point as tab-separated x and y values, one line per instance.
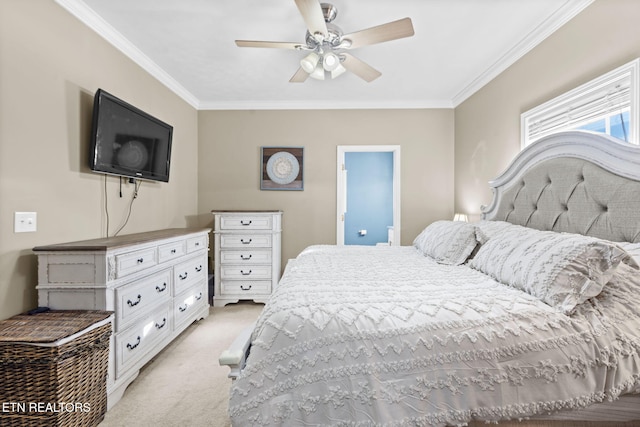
563	15
325	105
91	19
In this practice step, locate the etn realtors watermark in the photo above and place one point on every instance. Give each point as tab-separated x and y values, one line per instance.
45	407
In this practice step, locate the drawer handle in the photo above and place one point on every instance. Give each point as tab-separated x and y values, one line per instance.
183	276
199	269
133	304
244	273
183	309
173	251
164	322
245	258
243	222
140	260
248	288
199	297
245	242
161	289
132	346
197	243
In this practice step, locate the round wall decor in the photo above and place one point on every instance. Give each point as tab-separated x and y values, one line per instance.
283	167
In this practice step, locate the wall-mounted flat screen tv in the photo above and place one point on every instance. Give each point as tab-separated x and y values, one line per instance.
128	142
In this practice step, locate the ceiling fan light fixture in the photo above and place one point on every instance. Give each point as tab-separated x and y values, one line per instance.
339	70
309	62
318	72
330	61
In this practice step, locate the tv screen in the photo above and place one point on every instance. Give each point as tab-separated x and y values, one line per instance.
128	142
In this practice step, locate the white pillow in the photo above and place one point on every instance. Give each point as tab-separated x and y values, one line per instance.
487	229
561	269
447	242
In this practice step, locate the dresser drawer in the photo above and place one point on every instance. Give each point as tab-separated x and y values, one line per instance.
171	250
133	344
189	272
257	287
246	257
245	241
186	305
196	243
136	299
132	262
249	272
245	222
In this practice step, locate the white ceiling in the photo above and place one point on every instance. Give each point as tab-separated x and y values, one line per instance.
458	46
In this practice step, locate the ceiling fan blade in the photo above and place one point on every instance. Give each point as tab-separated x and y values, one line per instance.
300	76
359	68
313	17
278	45
381	33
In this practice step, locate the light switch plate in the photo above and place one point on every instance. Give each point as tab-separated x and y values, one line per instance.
25	222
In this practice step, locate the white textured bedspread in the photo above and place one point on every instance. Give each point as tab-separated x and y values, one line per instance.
364	336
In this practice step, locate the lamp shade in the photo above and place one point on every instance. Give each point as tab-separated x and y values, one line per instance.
461	217
330	61
309	62
318	72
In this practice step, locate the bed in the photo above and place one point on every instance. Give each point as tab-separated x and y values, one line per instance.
531	313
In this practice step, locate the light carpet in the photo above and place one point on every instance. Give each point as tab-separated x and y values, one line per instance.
184	385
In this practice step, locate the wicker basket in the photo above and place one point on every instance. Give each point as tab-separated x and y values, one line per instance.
53	368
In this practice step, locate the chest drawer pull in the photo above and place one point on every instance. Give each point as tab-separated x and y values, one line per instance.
245	242
183	309
164	322
243	222
132	346
199	269
245	288
183	276
245	273
173	251
140	260
161	289
199	297
133	304
245	258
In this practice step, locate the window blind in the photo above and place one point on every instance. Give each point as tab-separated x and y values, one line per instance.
614	92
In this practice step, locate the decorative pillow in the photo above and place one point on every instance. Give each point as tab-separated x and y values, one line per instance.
487	229
632	249
561	269
447	242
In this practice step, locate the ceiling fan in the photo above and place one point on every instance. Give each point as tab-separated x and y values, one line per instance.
328	46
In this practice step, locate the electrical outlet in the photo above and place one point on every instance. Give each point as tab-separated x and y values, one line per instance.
25	222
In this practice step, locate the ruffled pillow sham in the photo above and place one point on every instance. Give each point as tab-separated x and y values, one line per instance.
447	242
561	269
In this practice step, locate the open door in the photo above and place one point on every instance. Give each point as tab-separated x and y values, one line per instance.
368	202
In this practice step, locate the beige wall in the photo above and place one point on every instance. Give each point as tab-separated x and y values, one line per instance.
487	125
229	165
50	67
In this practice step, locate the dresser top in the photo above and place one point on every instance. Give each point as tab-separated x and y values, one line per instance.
106	243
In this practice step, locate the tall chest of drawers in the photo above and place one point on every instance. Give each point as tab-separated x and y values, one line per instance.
247	251
154	282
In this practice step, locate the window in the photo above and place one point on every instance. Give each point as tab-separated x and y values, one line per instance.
608	104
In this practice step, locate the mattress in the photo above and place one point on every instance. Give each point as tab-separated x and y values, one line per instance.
368	336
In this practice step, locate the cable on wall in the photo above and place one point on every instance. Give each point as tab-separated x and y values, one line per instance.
134	196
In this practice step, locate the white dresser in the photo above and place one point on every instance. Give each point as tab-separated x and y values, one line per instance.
247	253
155	283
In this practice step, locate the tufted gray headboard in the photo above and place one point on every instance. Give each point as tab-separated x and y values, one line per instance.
576	182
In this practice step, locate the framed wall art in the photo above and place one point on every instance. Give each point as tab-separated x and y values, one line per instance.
282	168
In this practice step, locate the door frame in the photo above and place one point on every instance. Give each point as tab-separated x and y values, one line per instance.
341	175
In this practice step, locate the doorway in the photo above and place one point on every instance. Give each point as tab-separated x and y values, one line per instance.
368	203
